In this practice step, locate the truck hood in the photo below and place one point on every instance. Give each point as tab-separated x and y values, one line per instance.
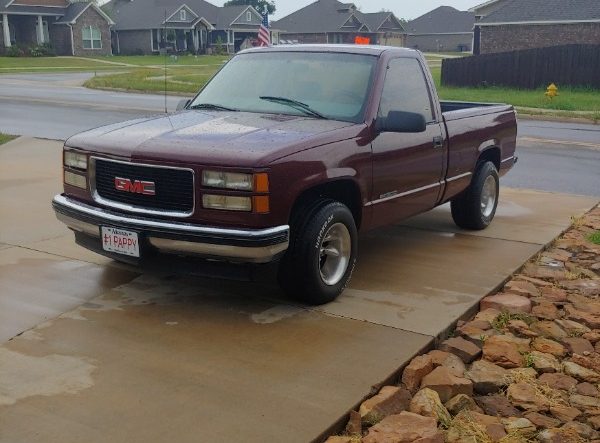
214	138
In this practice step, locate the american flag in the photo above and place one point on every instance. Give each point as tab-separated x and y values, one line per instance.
264	36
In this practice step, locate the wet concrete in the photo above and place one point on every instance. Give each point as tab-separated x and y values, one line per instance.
107	354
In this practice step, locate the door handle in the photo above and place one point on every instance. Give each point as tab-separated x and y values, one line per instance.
438	142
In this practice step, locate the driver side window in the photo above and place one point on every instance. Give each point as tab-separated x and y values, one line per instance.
405	89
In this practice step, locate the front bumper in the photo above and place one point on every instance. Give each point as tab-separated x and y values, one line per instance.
235	245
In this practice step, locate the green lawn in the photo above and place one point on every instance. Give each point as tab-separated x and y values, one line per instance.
157	60
5	138
595	237
570	99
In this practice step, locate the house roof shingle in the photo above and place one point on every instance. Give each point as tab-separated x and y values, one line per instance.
442	20
518	11
73	11
66	14
329	16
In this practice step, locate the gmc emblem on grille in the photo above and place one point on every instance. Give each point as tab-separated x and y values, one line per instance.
135	186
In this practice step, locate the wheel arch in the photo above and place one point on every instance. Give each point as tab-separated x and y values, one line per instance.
491	153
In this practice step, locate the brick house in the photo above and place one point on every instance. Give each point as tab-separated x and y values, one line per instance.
508	25
330	21
443	29
180	26
79	28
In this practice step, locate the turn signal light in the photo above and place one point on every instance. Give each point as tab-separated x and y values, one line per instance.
261	182
261	204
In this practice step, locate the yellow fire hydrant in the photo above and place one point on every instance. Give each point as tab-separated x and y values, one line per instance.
551	91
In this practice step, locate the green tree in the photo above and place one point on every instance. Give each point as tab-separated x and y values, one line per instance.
259	5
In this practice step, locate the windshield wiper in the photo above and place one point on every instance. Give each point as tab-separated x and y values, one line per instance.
294	104
211	106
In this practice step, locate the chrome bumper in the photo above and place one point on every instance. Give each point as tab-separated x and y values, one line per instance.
238	245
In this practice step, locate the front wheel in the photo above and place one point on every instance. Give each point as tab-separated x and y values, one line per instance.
322	254
476	207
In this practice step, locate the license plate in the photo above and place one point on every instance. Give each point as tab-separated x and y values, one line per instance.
120	241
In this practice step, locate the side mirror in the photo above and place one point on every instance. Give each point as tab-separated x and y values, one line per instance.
183	104
400	121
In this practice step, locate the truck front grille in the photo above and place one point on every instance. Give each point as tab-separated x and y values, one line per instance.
174	187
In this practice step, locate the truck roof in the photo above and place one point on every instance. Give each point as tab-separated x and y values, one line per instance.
341	48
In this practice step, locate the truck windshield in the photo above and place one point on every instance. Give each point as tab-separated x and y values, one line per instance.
319	85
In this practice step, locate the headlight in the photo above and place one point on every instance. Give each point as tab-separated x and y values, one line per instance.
228	180
227	202
75	160
77	180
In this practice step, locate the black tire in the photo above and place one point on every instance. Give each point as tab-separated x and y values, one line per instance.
302	270
468	209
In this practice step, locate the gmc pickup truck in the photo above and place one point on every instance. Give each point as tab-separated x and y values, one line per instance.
286	155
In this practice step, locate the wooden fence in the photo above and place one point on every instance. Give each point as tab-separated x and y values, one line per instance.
570	65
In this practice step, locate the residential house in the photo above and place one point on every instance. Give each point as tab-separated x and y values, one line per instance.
330	21
443	29
508	25
195	26
78	28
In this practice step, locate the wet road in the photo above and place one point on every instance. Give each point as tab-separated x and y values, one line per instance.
554	157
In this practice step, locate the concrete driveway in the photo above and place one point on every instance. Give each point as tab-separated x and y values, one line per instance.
107	354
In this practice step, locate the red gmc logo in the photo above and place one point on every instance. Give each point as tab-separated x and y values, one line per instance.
135	186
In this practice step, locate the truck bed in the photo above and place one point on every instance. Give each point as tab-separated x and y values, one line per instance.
453	110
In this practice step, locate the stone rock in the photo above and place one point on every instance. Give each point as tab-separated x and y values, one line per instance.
578	345
507	303
519	327
449	361
572	327
565	413
497	406
558	381
586	287
554	295
584	431
427	403
592	336
580	373
487	377
446	384
594	422
487	315
502	353
544	272
461	402
522	374
522	287
548	346
340	439
556	435
542	421
523	395
492	425
462	348
587	389
390	400
514	424
583	303
545	310
523	344
584	402
591	361
536	281
354	425
475	335
418	368
559	254
544	362
590	320
405	427
550	329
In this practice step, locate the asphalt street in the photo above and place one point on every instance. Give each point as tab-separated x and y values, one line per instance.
553	156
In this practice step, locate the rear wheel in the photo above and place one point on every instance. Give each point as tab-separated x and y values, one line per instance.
476	207
323	247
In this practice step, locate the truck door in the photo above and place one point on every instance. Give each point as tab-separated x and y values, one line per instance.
407	167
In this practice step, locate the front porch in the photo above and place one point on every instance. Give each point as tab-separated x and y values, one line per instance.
25	30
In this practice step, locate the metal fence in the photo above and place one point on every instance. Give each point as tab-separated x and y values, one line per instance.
570	65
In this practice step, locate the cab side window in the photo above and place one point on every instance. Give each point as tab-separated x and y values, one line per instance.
405	89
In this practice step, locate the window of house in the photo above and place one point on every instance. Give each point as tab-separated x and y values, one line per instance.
182	15
92	38
405	89
248	16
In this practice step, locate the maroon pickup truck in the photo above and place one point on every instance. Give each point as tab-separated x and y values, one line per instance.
285	155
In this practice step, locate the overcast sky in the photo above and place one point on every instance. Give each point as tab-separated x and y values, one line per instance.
402	8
